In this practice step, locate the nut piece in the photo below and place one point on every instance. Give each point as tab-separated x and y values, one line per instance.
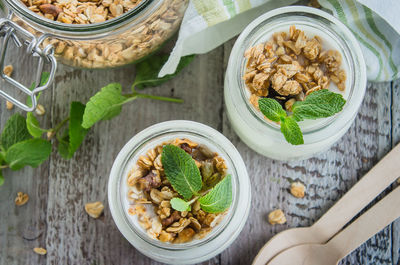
398	180
185	236
276	217
40	110
9	105
8	70
297	189
40	251
94	209
21	199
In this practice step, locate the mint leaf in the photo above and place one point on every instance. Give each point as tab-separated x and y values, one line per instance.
1	178
219	198
271	109
319	104
147	70
30	152
76	133
32	124
180	205
291	131
181	171
14	131
105	105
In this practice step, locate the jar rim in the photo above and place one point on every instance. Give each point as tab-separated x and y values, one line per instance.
78	29
234	79
166	252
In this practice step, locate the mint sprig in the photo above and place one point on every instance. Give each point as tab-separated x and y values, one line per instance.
181	171
184	176
14	131
319	104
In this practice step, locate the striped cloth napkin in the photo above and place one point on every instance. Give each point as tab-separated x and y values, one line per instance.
375	23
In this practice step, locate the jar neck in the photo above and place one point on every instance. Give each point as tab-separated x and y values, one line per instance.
137	14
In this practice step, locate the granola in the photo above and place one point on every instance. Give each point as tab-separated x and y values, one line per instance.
291	66
149	195
113	50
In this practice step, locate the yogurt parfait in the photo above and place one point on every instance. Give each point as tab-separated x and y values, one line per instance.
295	80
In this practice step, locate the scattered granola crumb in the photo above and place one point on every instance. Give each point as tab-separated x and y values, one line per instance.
398	180
9	105
276	217
40	110
50	135
94	209
21	199
297	189
40	251
8	70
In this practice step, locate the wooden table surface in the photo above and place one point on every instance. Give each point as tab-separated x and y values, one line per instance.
54	217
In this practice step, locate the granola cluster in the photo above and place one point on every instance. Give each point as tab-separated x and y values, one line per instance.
291	66
80	11
150	193
113	50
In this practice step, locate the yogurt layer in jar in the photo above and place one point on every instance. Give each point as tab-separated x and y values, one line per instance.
202	246
250	124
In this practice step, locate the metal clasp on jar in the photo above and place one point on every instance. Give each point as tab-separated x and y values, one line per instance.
8	30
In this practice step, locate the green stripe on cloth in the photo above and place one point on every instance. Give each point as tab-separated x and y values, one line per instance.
243	5
230	5
363	30
211	10
339	10
374	27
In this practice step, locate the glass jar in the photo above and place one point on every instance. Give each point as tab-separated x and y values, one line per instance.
197	250
112	43
251	126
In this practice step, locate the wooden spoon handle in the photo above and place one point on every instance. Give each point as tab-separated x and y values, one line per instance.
371	222
361	194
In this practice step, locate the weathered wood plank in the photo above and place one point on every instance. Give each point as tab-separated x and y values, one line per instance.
72	235
327	176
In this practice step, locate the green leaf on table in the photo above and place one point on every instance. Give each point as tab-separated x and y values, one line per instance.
33	126
1	178
14	131
30	152
291	131
43	80
219	198
105	105
271	109
319	104
76	133
180	205
181	171
147	70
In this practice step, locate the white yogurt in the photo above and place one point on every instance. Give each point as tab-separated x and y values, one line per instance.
249	123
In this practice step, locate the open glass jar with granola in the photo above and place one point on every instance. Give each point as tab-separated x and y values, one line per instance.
91	34
294	60
160	207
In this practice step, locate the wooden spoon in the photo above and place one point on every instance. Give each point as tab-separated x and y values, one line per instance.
360	195
375	219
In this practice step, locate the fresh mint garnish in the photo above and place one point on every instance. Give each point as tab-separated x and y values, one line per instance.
271	109
181	171
219	198
14	131
319	104
180	205
76	133
105	105
30	152
147	71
